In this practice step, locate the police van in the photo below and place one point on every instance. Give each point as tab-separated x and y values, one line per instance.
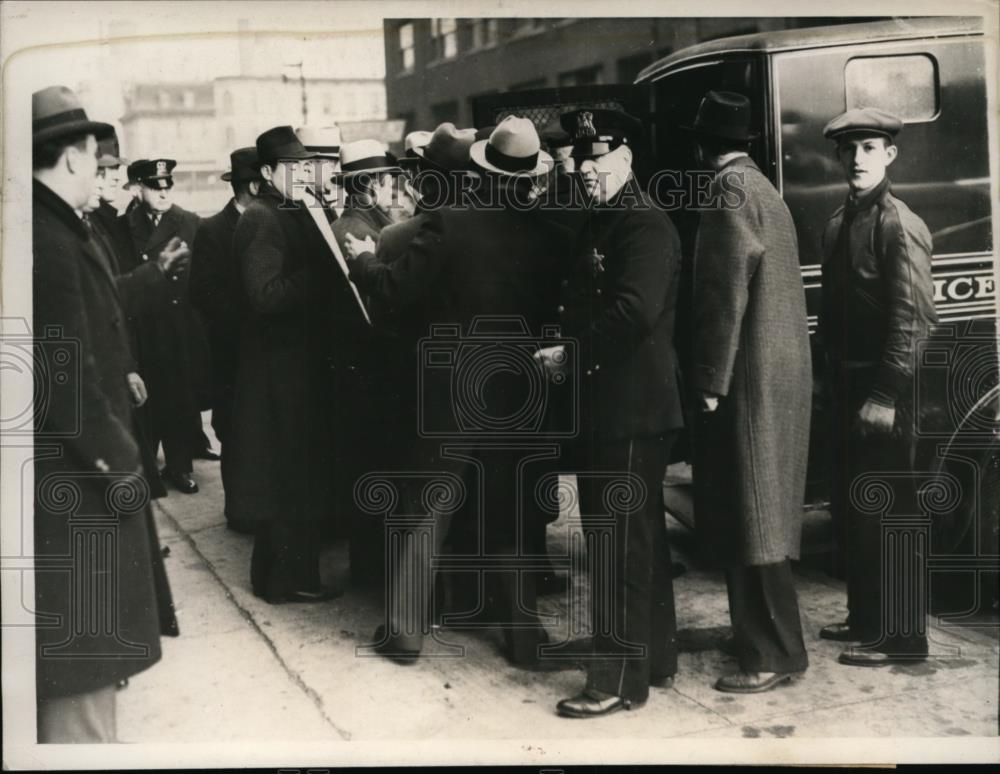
932	74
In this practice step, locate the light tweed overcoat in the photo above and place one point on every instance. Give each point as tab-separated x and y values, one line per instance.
751	347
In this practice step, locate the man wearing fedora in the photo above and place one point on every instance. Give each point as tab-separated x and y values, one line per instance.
87	428
173	349
375	186
301	322
215	293
753	377
465	262
878	303
324	142
617	301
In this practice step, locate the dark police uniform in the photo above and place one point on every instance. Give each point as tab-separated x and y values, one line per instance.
618	301
878	302
172	348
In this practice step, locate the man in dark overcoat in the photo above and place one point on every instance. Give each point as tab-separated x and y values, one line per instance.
878	303
617	302
300	327
173	350
752	372
87	459
216	294
497	263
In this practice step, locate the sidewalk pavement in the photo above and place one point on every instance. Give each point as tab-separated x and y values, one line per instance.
243	670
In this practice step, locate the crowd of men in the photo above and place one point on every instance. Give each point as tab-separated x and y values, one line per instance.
300	315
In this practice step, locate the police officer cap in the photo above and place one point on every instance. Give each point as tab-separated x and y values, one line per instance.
595	132
863	120
154	173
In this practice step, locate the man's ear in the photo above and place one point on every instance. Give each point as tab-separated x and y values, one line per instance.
254	187
267	173
891	151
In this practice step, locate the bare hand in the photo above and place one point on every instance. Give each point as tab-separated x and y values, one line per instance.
356	247
875	418
555	363
137	389
709	402
174	258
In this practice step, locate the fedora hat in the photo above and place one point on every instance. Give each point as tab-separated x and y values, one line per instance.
108	152
281	144
512	149
325	141
243	166
415	140
725	115
56	112
448	148
365	157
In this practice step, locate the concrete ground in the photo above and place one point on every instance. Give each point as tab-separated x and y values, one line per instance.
246	671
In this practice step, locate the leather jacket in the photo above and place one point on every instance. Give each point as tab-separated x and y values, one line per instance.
878	295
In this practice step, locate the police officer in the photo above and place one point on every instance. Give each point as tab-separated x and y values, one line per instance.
618	300
173	351
878	302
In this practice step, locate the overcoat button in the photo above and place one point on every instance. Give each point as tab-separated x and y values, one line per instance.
560	309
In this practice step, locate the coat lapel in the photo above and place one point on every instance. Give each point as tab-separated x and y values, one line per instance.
91	251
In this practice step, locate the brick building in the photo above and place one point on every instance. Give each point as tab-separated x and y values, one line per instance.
436	67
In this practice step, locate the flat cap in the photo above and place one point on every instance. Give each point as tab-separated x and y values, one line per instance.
863	120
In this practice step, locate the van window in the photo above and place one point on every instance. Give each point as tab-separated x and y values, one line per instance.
942	172
906	86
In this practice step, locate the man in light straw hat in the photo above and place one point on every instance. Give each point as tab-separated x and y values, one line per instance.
463	263
85	646
324	142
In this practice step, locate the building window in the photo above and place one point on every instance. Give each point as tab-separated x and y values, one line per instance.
444	111
630	66
444	38
903	85
406	55
588	76
485	32
164	99
189	99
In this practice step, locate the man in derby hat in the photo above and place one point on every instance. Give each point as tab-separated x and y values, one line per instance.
215	293
753	377
88	423
617	300
465	262
878	302
301	319
324	142
173	350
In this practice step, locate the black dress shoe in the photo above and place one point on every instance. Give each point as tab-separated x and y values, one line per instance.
838	632
324	594
867	657
206	454
754	682
385	646
592	703
663	681
182	482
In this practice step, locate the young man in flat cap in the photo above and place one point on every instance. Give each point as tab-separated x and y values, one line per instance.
753	376
86	444
878	302
617	301
173	350
301	321
215	293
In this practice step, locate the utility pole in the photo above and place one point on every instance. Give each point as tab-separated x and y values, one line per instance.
302	86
